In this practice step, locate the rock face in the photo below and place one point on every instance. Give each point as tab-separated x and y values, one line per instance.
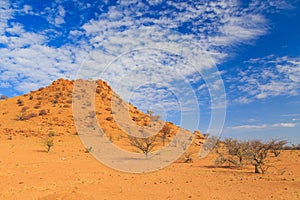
48	110
199	138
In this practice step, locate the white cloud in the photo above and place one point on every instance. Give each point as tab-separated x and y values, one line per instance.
263	126
267	77
27	9
5	13
249	127
285	125
59	19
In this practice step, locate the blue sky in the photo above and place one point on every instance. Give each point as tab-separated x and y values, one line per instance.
186	60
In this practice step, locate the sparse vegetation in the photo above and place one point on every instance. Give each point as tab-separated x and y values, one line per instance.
49	144
20	102
291	147
234	152
277	146
257	153
145	144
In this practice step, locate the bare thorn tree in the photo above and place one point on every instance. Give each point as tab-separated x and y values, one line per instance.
255	152
277	146
145	145
258	152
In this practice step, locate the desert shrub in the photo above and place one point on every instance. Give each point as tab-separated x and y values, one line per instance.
55	101
291	147
39	98
108	109
49	144
19	101
277	146
42	112
66	106
30	97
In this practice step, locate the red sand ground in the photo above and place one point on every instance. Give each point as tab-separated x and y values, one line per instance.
67	172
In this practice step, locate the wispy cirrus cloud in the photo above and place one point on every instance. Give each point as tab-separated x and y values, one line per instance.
263	126
266	77
118	27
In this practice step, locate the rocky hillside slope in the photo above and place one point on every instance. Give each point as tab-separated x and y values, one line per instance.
48	111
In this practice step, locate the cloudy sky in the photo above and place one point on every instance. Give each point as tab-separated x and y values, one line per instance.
232	62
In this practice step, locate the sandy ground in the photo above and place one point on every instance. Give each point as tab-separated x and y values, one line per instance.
27	171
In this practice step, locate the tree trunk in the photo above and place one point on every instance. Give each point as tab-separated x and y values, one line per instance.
257	169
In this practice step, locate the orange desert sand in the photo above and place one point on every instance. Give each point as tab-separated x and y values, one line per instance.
27	171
